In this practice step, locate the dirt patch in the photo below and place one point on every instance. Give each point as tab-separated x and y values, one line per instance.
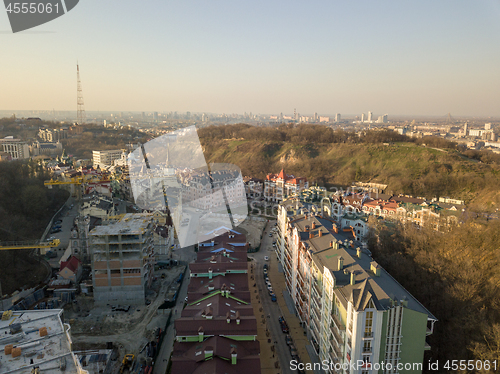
253	228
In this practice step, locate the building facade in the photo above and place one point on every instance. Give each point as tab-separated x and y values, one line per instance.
16	148
122	259
106	158
277	187
351	309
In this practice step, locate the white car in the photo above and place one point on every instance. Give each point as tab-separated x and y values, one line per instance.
266	258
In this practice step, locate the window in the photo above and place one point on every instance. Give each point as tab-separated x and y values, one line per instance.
368	324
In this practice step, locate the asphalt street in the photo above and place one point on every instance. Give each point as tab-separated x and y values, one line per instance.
272	310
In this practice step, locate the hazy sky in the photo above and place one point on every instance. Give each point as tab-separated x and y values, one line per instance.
396	57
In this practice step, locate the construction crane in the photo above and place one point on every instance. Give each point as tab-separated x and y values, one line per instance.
77	181
29	244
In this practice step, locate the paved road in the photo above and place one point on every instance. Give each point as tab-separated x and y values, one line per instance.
67	216
271	309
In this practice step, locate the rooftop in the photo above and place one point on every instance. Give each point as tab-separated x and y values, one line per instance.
43	341
130	224
382	288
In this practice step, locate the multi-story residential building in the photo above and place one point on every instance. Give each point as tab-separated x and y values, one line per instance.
106	158
16	148
122	258
53	135
352	310
279	186
254	187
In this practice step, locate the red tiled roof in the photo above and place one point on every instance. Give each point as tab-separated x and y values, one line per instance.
285	177
218	326
186	357
72	264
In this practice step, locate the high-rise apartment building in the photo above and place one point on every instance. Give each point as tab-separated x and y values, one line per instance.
370	115
337	117
122	257
352	310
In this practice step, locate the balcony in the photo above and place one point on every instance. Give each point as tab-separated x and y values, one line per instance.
338	323
337	350
368	335
339	338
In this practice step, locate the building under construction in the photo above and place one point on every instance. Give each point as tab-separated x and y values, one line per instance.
122	259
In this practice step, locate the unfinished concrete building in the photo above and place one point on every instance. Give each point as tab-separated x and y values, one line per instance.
122	256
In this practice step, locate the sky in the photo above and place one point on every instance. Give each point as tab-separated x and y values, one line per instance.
218	56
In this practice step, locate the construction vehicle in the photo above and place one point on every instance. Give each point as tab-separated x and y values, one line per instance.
127	362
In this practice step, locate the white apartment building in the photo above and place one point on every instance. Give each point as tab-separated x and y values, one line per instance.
106	158
16	148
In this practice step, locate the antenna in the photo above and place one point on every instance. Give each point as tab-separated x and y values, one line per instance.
80	110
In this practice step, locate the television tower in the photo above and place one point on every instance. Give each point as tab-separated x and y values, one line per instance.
80	110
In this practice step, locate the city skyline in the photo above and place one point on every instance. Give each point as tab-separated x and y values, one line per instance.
422	59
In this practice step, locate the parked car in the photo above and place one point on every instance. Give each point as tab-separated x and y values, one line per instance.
265	266
57	222
266	258
51	254
56	227
288	339
270	235
273	297
53	231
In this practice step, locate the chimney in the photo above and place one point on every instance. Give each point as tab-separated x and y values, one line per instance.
358	252
238	320
200	334
320	233
313	225
331	243
209	352
228	317
311	235
341	263
233	356
209	273
306	229
353	278
213	243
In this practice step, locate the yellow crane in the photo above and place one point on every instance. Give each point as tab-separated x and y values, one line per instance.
76	182
29	245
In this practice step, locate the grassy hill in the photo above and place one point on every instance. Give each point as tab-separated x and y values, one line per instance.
405	166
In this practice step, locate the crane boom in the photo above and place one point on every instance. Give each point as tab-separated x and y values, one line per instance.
29	245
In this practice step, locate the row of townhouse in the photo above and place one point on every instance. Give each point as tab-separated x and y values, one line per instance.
352	310
217	330
357	207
